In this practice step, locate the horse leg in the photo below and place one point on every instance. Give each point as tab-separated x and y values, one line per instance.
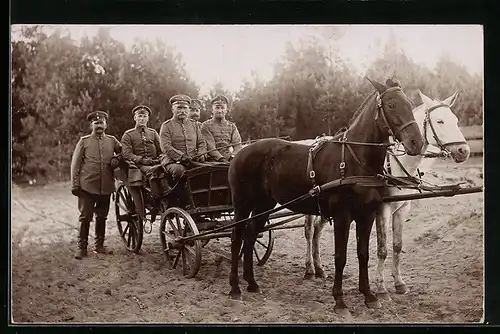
251	231
236	241
319	223
308	233
384	215
364	224
342	222
397	246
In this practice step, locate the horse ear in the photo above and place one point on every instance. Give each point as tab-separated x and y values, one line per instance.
425	99
378	86
451	100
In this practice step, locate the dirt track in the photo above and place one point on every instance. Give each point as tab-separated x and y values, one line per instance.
442	265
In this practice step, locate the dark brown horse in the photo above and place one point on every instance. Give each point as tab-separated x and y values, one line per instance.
273	171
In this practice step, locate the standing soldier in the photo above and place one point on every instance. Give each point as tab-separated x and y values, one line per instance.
180	138
92	168
194	111
141	146
220	134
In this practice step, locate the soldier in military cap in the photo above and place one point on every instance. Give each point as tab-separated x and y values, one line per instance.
94	159
141	145
180	138
194	111
222	136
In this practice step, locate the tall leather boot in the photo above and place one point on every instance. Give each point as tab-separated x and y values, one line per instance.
155	187
83	236
100	232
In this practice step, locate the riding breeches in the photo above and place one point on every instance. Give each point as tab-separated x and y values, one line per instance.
176	170
88	204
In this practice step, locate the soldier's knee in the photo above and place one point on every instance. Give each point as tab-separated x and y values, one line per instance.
177	170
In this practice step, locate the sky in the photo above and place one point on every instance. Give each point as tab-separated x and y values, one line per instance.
229	53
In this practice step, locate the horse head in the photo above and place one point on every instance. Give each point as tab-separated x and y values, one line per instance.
440	126
395	116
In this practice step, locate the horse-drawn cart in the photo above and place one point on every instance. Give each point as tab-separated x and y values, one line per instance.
208	212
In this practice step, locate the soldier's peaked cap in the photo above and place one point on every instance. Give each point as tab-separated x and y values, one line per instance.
180	99
142	108
196	103
97	115
219	99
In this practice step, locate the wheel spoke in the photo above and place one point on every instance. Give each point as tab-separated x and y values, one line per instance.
120	205
256	255
176	260
126	229
179	228
122	196
262	244
191	251
174	228
184	265
128	239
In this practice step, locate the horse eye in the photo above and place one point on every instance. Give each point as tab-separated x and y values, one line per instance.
440	121
391	105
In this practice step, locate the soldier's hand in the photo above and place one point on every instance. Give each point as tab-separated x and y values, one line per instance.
115	162
201	158
75	191
146	161
185	157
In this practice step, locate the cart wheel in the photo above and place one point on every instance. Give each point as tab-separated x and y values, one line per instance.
174	224
263	247
128	222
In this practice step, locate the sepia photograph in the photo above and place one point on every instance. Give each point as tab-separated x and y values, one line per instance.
247	174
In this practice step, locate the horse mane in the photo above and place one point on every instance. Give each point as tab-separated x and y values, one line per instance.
391	82
360	108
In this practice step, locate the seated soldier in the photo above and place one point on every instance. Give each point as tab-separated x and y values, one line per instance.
194	111
180	139
141	146
222	136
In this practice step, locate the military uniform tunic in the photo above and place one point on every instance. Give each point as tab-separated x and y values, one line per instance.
140	142
178	138
90	164
218	135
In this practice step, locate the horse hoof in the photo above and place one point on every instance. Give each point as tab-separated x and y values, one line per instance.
320	274
383	295
236	296
373	304
308	276
401	289
343	312
252	288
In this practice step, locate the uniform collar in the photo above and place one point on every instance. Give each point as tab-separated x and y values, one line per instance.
185	121
224	121
140	127
101	136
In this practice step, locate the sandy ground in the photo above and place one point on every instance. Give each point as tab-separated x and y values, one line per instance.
442	265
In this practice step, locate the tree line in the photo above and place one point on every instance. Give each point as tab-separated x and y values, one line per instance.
56	82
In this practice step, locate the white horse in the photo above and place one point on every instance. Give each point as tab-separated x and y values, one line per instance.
439	127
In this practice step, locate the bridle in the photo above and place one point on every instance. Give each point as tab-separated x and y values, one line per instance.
382	114
427	120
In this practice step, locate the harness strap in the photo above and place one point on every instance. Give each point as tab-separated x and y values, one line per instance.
342	161
313	150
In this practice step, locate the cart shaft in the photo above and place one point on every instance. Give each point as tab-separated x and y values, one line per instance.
437	193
